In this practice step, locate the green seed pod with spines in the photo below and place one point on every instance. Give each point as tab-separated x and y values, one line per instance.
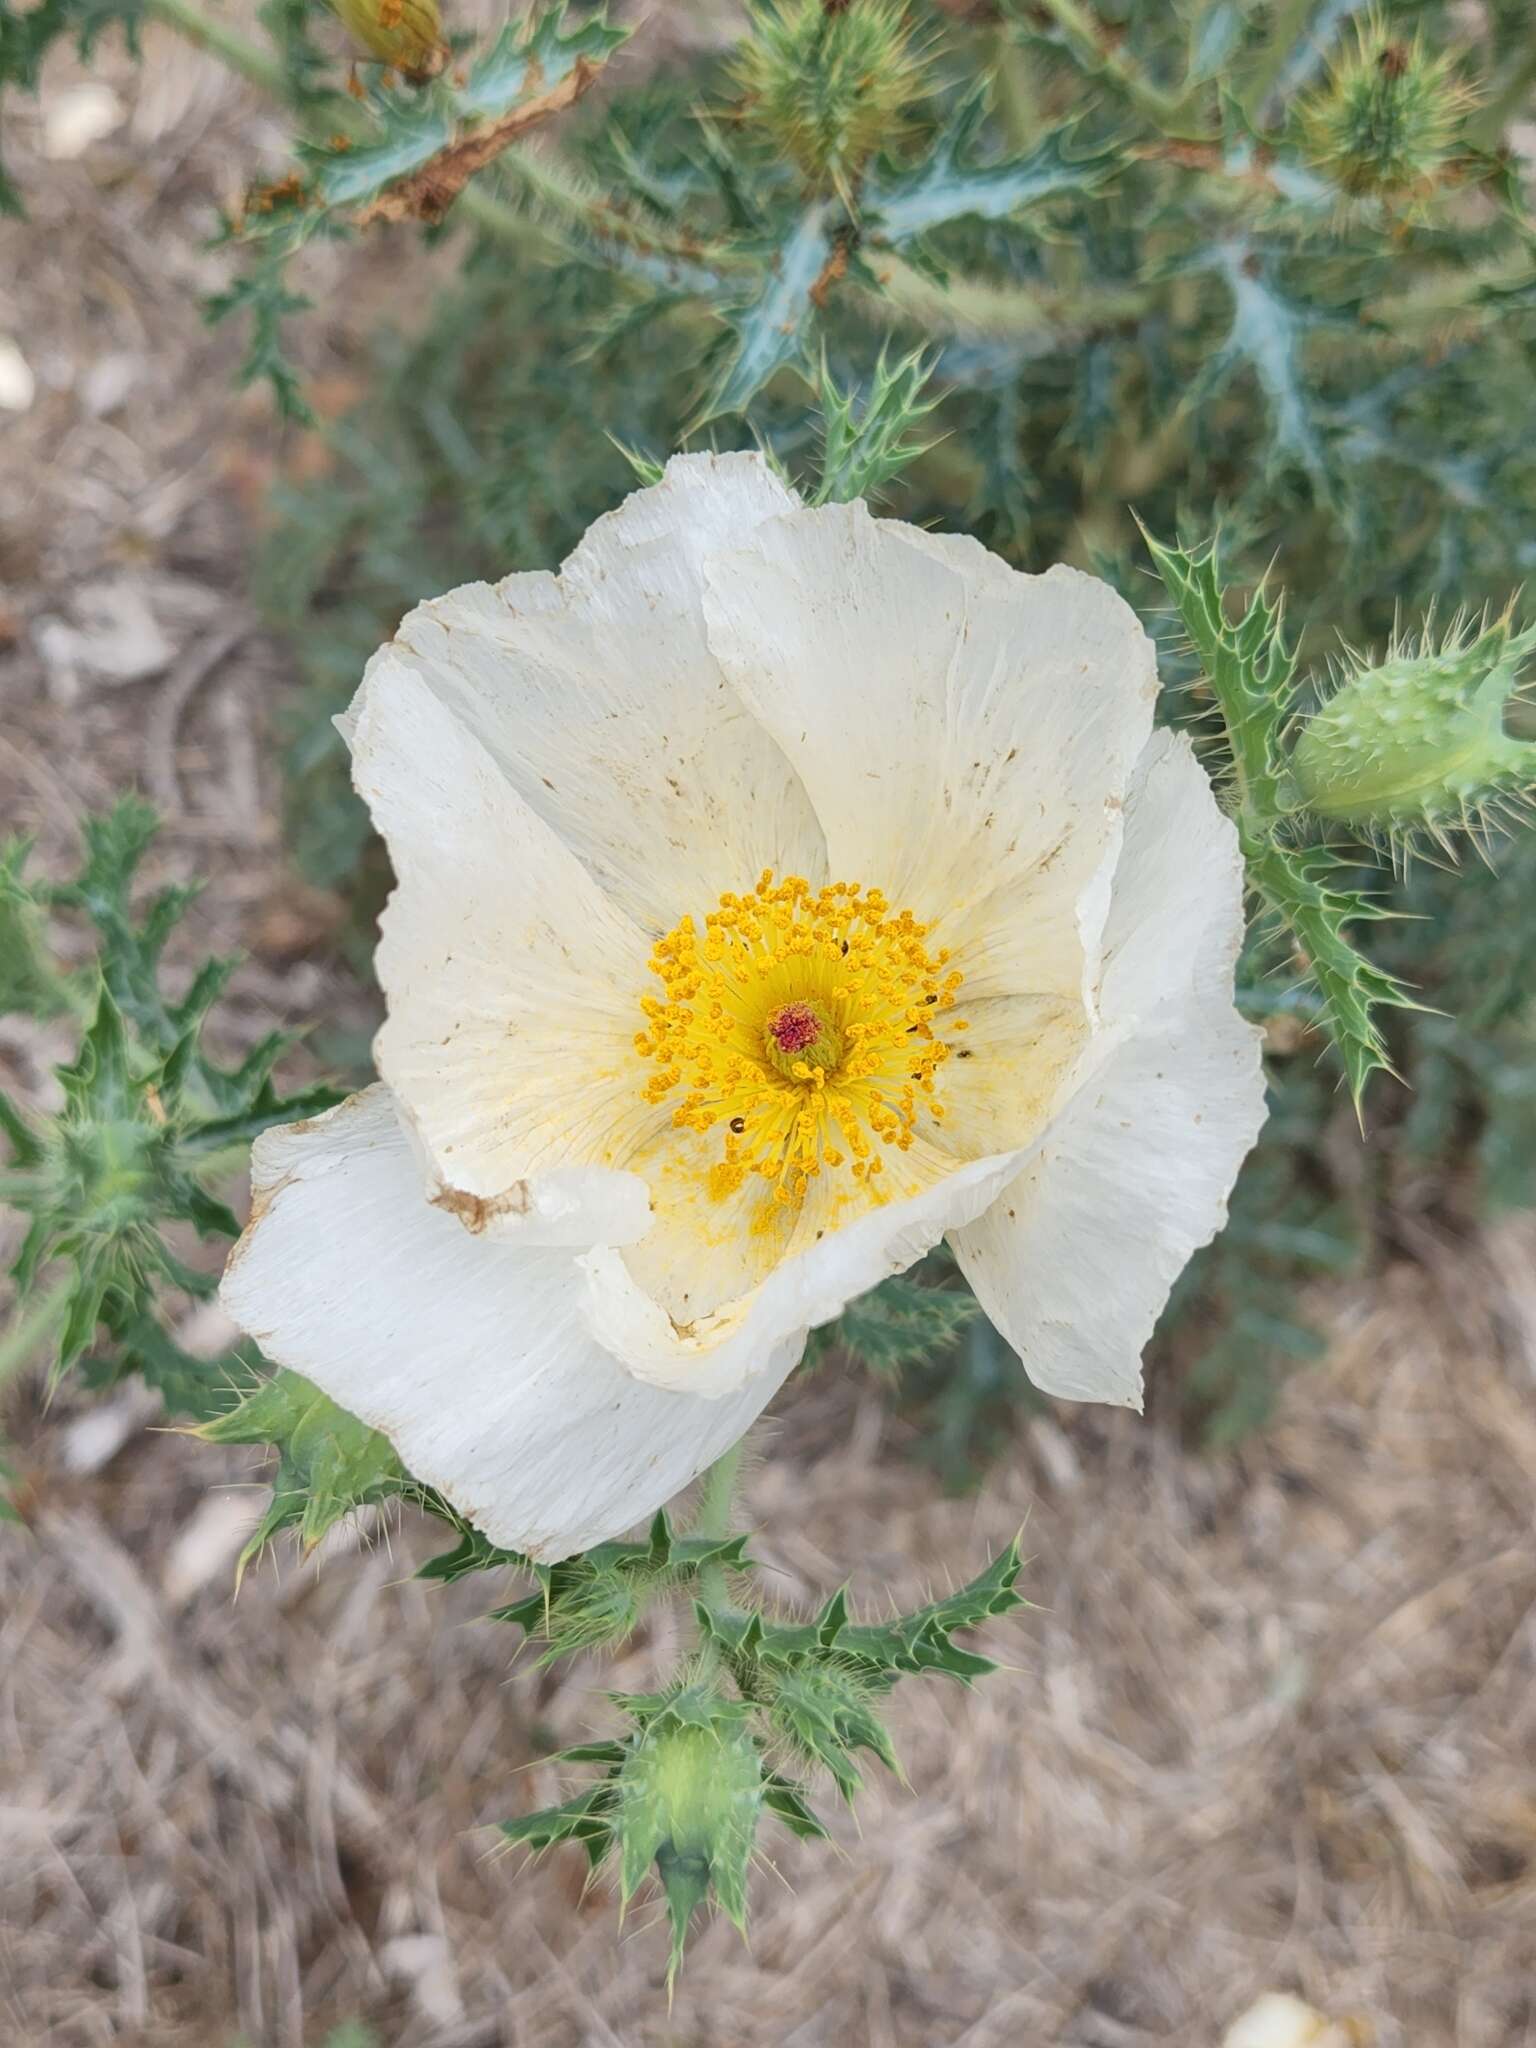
1417	741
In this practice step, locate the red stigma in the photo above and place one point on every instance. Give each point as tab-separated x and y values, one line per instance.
794	1027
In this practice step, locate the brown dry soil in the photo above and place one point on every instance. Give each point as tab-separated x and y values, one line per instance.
1269	1725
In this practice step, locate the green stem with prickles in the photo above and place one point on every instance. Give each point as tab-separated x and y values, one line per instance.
717	1502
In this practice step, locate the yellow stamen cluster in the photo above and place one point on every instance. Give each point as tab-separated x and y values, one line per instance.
802	1021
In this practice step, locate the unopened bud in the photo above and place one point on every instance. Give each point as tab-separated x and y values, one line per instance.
407	34
690	1796
1388	118
828	85
1418	740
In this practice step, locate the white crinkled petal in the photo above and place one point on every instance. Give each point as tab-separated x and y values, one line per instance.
965	732
512	982
725	1349
1074	1262
598	697
467	1353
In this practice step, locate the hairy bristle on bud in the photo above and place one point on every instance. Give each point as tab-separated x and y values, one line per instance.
828	86
1388	118
1418	740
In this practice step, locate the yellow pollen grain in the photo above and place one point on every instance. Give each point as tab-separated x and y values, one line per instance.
839	952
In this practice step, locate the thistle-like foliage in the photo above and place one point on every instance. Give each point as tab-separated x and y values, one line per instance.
1414	744
597	1600
901	1322
404	152
1307	894
1250	673
328	1463
121	1172
683	1793
870	437
1247	667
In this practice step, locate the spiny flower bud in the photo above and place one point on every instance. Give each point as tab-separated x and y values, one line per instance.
1418	740
829	82
405	33
1388	118
690	1796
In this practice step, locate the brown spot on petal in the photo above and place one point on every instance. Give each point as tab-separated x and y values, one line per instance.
478	1212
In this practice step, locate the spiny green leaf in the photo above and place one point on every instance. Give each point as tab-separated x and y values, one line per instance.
899	1323
532	59
29	981
472	1553
410	129
1268	336
587	1818
869	437
26	1147
1300	886
1251	673
262	294
787	1802
903	202
200	1388
768	332
90	1281
404	127
131	943
879	1653
1247	664
329	1463
825	1711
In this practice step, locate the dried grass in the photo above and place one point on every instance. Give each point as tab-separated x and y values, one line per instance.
1270	1724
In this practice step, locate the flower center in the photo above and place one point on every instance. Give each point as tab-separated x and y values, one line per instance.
802	1031
800	1025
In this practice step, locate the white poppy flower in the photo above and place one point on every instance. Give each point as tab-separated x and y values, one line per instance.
779	892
